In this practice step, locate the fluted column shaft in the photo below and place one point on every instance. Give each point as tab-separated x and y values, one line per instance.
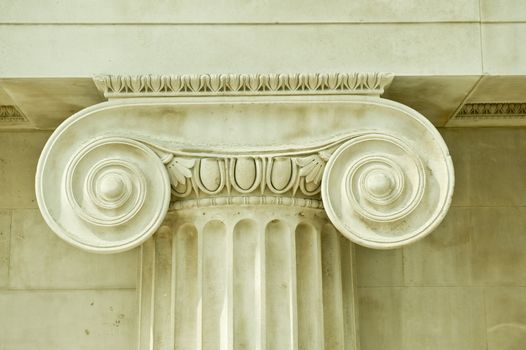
247	277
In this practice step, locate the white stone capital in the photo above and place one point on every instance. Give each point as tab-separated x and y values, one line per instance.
110	173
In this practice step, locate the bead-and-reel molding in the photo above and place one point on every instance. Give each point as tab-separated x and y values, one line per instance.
118	188
380	192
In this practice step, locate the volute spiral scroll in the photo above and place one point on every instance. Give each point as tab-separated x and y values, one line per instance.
116	194
382	193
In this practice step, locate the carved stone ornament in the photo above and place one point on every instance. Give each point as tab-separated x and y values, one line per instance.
490	114
109	174
242	84
10	114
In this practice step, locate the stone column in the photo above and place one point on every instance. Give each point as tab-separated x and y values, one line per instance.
255	186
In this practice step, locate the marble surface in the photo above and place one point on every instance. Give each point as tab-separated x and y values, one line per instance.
502	11
19	153
333	48
504	56
489	163
39	261
65	320
5	238
424	263
505	317
401	318
236	11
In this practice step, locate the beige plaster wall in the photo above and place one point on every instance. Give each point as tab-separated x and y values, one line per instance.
463	287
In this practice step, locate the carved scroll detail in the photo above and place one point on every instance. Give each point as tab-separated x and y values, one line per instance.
114	193
379	192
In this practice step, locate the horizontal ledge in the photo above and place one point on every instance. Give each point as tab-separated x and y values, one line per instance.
248	23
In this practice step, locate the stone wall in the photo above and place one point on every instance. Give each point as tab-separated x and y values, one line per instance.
53	296
463	287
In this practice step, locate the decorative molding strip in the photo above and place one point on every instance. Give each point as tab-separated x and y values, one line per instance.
115	86
490	114
492	110
11	114
248	200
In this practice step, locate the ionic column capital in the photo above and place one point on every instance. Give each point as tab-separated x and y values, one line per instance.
109	174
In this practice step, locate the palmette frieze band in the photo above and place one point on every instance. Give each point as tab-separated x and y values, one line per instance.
242	84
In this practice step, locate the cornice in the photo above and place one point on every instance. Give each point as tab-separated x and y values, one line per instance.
118	86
